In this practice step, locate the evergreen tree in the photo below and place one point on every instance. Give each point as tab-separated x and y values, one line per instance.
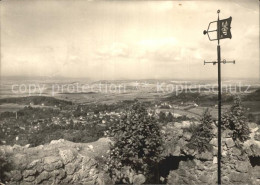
137	145
169	117
162	117
235	119
202	134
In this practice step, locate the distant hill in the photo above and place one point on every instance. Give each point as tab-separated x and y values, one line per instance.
30	77
20	78
198	98
36	100
254	96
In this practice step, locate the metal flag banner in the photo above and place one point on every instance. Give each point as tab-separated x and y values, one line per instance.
224	27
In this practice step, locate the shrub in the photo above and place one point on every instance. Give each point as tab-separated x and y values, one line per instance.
165	118
162	117
202	134
183	118
235	120
137	145
192	128
251	118
5	166
169	117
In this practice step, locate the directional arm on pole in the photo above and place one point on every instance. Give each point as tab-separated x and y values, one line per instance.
223	61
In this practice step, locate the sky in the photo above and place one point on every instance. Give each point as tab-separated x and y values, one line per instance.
126	39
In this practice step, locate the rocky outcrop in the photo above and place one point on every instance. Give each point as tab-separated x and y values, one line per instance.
60	162
202	169
64	162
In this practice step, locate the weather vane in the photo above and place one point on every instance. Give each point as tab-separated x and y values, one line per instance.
223	32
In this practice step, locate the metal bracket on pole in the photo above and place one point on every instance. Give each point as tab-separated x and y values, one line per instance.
223	61
232	62
213	62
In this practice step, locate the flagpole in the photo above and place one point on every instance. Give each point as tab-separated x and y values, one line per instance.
223	32
219	104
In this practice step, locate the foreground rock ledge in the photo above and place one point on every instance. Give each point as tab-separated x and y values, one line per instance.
65	162
240	164
60	162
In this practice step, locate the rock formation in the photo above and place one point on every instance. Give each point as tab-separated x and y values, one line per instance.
60	162
240	164
64	162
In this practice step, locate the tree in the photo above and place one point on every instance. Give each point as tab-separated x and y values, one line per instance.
235	120
162	116
137	145
169	117
202	134
5	166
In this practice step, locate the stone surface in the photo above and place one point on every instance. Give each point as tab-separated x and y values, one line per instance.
214	142
225	180
236	151
16	175
27	173
207	156
60	174
64	162
257	136
203	178
230	143
67	155
242	167
53	166
33	163
187	136
42	177
61	162
70	168
215	160
236	167
239	177
138	179
255	150
51	159
29	178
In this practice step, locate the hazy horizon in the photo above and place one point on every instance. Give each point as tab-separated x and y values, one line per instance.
104	40
118	79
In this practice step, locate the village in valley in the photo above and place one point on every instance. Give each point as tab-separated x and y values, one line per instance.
37	120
